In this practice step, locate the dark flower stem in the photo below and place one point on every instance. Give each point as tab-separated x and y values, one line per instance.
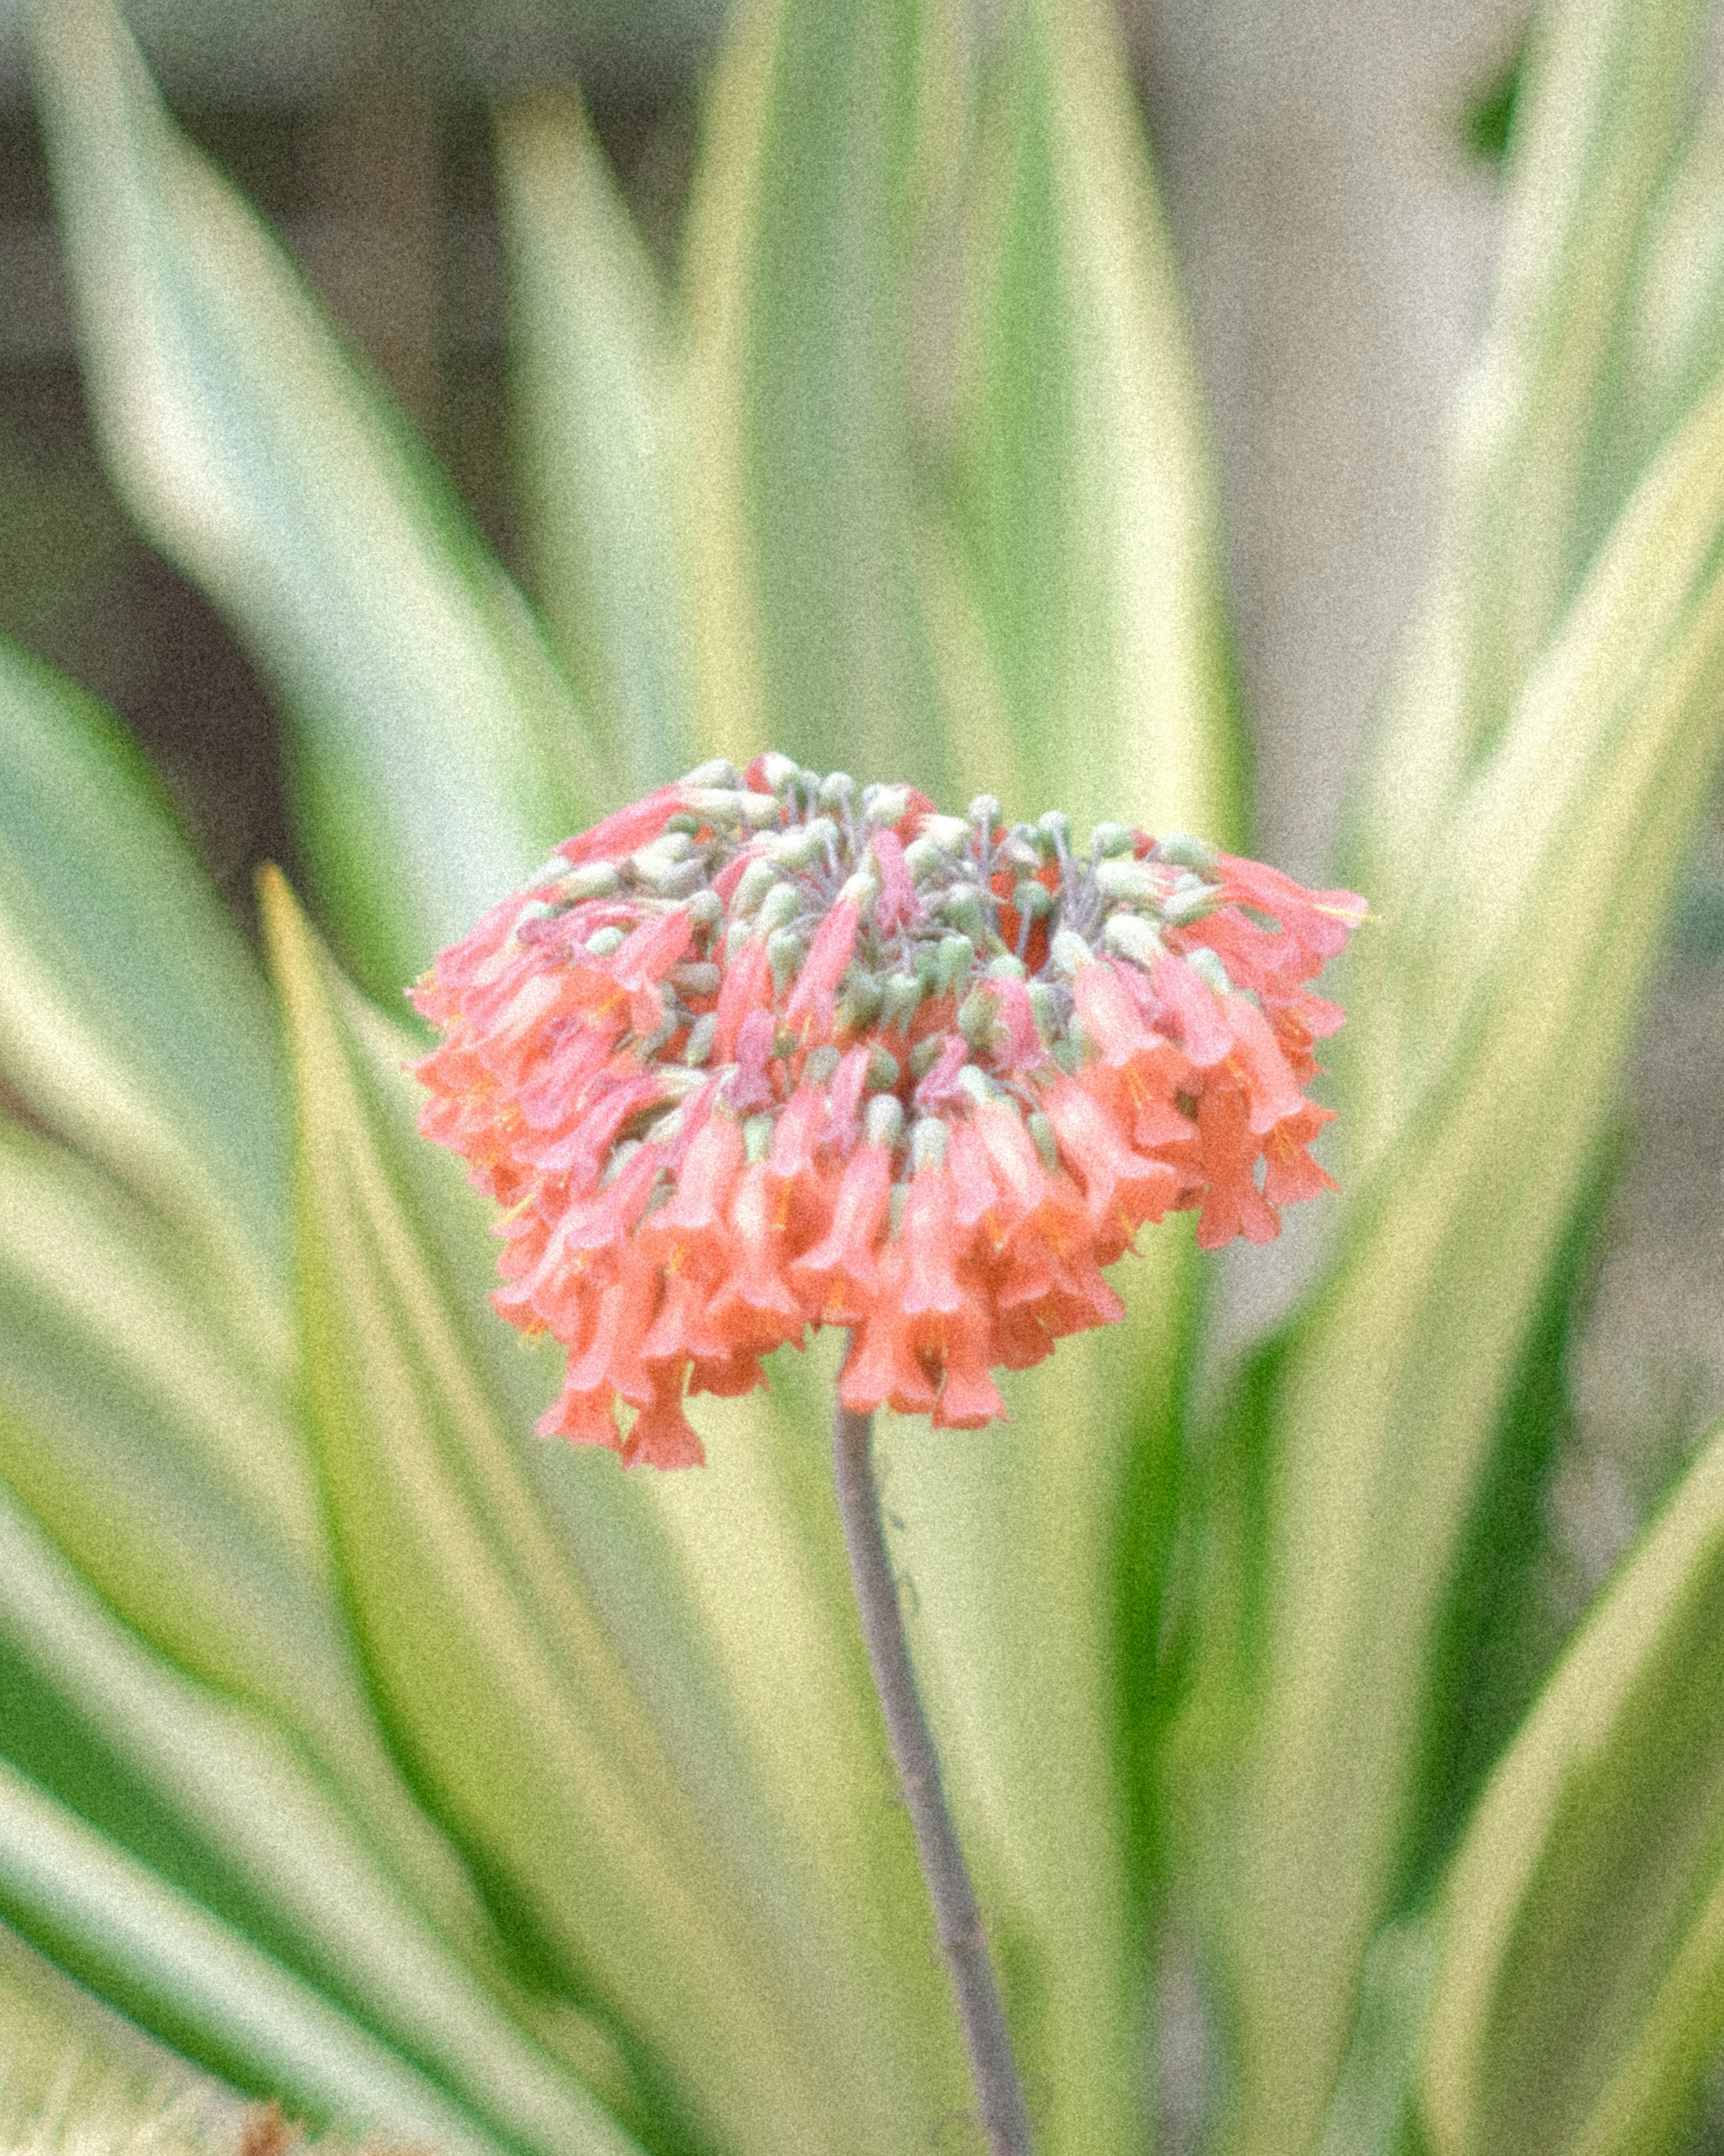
956	1917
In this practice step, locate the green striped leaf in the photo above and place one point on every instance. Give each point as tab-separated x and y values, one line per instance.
1084	502
133	1021
1603	107
1675	333
813	633
173	1475
436	753
1579	1996
1541	923
78	2077
530	1743
174	1967
224	1809
1015	1541
593	419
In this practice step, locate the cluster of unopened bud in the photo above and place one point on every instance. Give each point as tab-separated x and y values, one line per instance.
774	1049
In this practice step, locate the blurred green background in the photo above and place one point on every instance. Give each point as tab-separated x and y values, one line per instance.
1332	177
1332	173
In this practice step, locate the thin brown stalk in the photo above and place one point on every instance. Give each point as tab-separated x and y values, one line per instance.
956	1919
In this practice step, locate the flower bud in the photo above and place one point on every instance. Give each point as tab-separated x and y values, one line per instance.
757	879
1032	898
884	1122
884	805
927	1142
921	857
976	1016
950	834
1186	852
1134	938
592	880
785	952
1107	839
1135	881
779	908
718	771
957	955
1190	900
1204	962
1069	952
901	1000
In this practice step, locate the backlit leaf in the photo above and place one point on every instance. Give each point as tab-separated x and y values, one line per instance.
133	1020
436	753
1580	1992
530	1741
811	635
1086	503
594	429
1533	937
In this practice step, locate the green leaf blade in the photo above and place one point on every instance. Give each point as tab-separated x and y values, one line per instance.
133	1021
1580	1990
436	752
535	1752
1084	500
1583	816
813	634
594	423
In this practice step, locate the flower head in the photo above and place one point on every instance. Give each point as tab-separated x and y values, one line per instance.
771	1051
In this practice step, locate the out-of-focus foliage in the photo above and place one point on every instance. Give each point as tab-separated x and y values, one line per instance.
374	1757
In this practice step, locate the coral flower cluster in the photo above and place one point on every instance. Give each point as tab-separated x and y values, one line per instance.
765	1051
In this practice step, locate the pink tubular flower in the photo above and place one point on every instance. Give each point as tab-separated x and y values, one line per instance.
771	1051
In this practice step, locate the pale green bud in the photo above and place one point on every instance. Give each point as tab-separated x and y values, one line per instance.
1134	938
927	1142
1208	963
882	805
1186	852
785	952
1032	898
592	880
900	1000
756	880
779	907
956	956
884	1122
716	772
1069	952
921	857
1135	881
976	1015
